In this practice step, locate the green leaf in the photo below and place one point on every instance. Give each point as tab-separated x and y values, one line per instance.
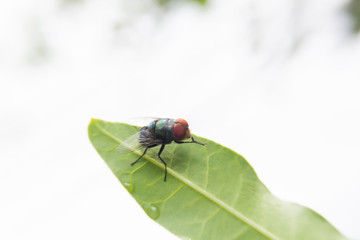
211	192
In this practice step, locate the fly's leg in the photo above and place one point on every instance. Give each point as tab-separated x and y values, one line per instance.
151	146
161	149
140	157
193	141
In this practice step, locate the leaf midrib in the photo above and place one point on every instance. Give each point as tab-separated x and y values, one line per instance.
202	191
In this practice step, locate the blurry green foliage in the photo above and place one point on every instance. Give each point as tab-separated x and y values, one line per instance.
166	2
354	11
203	2
162	3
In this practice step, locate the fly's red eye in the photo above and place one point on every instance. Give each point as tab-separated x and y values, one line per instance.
180	129
182	121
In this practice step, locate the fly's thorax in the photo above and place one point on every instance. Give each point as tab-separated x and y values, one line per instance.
151	126
163	129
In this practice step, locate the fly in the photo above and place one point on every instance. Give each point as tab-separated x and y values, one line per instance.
162	131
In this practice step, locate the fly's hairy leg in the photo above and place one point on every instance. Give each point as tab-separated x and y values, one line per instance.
151	146
161	149
192	141
132	164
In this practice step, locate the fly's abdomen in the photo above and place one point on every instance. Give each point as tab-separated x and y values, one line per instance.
163	128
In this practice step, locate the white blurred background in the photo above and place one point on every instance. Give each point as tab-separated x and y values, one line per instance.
277	81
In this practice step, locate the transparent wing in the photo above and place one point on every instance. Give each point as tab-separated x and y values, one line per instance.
131	144
141	121
141	139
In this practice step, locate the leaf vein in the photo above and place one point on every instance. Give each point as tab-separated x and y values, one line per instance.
170	195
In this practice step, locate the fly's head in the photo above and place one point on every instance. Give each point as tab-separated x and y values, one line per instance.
181	130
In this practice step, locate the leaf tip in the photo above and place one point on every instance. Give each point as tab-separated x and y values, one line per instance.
94	121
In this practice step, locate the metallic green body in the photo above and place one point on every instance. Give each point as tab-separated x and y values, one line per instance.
163	128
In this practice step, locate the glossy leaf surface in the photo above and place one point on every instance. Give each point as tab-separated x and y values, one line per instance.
211	192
